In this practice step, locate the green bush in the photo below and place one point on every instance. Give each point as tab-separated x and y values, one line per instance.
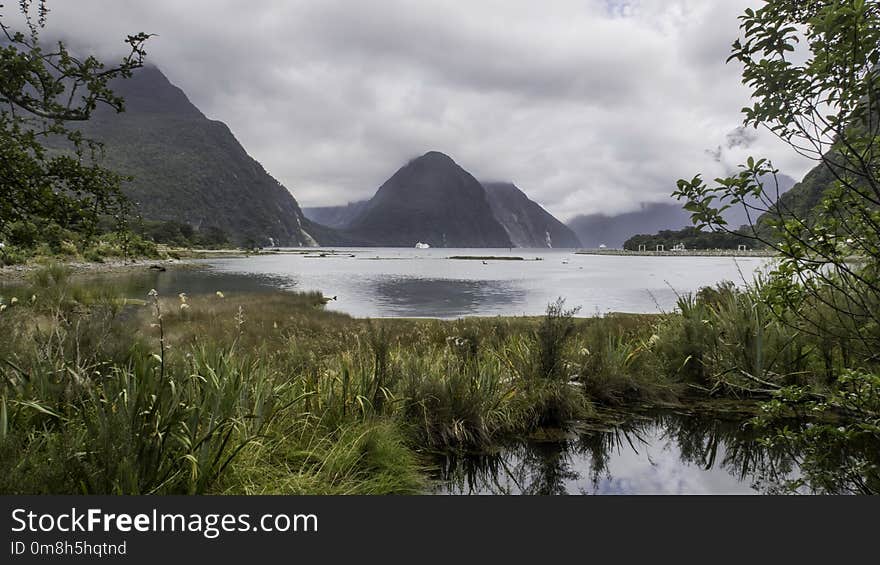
12	255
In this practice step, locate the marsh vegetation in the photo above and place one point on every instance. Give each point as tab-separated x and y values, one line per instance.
104	392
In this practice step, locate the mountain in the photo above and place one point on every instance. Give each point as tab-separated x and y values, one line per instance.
190	169
803	198
335	216
594	230
598	229
431	200
526	222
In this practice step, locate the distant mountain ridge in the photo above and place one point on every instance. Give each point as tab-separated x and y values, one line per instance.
433	200
613	230
190	169
594	230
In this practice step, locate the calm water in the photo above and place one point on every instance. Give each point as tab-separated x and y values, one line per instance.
426	283
660	454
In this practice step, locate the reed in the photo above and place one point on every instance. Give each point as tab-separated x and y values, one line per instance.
101	392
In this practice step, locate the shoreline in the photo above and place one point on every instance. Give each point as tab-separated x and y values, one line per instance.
178	258
684	253
187	258
20	273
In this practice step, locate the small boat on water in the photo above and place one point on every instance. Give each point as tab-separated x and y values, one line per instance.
420	245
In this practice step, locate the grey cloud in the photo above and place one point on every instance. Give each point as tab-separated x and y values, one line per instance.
589	106
741	137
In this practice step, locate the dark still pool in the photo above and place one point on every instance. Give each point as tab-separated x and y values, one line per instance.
659	453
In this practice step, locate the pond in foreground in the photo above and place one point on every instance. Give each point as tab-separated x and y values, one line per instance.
663	453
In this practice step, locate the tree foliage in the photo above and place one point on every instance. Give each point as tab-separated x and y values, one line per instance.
825	108
691	238
43	90
181	234
813	70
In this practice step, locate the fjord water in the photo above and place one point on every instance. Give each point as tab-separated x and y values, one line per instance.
397	282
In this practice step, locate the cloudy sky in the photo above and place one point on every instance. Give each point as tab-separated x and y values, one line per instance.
588	105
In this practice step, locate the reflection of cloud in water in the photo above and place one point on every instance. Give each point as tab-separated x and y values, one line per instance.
136	284
663	455
442	297
415	284
195	282
208	282
659	469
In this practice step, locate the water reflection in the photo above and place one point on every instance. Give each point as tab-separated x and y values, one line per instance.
734	447
136	284
414	282
661	454
377	296
443	298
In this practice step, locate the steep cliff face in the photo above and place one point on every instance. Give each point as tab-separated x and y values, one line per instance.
191	169
431	200
526	222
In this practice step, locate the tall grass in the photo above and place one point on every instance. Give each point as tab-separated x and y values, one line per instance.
105	393
726	340
213	393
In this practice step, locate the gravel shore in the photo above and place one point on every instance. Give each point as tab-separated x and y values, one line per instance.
13	273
